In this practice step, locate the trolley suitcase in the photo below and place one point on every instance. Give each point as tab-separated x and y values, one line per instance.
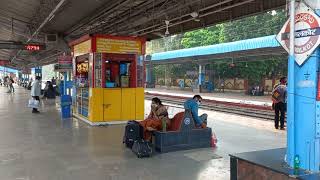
133	132
142	148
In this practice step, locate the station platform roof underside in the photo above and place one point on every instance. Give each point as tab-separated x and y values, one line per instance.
30	21
246	50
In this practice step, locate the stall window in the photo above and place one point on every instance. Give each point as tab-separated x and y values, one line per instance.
119	71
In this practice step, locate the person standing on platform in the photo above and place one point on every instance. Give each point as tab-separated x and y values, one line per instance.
193	106
11	81
279	96
53	81
5	81
36	92
222	85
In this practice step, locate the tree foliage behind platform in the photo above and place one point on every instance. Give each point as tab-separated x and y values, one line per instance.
254	70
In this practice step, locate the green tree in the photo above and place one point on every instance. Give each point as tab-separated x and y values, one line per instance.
48	72
260	25
203	37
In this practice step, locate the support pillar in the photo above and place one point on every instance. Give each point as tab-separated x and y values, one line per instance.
303	118
38	71
149	75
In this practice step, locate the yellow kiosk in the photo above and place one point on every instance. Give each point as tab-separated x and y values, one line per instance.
108	75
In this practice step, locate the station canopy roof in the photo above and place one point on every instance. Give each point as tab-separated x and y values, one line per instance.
256	47
31	20
7	70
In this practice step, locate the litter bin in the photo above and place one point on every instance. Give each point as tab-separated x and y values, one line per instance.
66	102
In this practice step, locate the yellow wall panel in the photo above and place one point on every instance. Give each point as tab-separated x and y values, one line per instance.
139	103
112	104
96	104
128	104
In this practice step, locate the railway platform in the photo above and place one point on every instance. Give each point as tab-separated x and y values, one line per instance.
43	146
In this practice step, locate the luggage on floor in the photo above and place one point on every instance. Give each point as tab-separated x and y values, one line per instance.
142	148
133	132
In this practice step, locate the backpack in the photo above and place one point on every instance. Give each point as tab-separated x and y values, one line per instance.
142	148
133	132
276	94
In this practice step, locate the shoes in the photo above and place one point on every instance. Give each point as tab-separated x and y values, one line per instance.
276	127
203	125
35	112
282	128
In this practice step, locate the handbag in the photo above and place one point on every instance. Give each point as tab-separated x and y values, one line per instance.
32	103
142	148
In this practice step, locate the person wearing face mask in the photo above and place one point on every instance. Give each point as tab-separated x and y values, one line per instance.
193	106
153	122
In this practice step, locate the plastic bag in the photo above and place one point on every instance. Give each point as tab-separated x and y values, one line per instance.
32	103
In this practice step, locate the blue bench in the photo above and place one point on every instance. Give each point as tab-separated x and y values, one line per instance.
184	136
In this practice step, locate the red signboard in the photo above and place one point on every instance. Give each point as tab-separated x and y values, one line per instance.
4	62
34	47
26	71
64	63
65	60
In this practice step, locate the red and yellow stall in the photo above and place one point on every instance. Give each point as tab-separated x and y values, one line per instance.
108	74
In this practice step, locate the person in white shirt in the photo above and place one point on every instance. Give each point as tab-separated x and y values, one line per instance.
36	92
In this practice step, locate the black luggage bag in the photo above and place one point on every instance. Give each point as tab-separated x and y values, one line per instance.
142	148
133	132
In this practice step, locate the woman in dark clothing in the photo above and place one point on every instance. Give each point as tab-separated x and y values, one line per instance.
50	93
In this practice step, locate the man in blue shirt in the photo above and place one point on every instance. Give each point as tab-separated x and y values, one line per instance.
193	106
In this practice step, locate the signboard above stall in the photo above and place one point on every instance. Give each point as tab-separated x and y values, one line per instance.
82	48
99	43
118	46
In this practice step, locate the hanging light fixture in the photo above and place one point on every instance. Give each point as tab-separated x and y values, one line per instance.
195	16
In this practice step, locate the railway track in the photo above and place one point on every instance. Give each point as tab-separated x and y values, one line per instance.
260	113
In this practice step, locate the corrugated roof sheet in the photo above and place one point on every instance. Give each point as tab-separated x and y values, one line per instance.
243	45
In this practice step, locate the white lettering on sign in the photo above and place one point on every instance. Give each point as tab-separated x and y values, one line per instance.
306	33
305	48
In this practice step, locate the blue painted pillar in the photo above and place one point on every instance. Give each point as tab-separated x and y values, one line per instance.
303	119
64	83
38	71
304	129
149	75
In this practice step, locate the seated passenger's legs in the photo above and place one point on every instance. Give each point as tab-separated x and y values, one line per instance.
150	123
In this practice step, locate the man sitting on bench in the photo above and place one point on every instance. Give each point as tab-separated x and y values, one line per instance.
193	106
